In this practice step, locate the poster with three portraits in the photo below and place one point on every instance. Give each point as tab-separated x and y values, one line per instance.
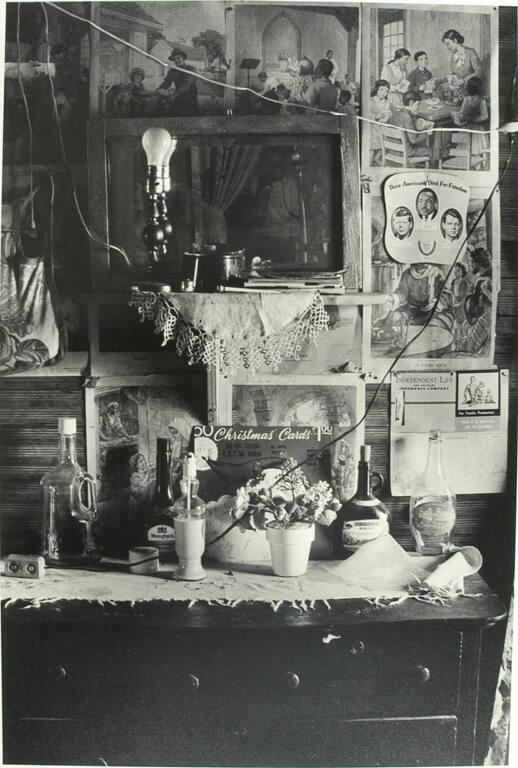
429	163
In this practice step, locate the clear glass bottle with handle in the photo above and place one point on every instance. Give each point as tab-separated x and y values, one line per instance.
432	504
70	525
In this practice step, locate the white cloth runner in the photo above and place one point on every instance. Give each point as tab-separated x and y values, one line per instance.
235	583
235	329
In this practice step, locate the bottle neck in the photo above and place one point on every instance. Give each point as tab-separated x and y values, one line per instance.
163	488
190	487
67	449
363	489
434	459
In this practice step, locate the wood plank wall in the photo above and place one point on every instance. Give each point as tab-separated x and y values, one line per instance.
29	409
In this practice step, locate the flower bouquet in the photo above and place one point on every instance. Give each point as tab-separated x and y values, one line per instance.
287	511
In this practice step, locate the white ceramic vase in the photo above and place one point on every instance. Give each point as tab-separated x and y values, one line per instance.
289	547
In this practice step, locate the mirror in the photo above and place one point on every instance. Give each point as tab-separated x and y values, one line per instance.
280	194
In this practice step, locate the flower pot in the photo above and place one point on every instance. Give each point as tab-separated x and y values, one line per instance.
289	547
237	546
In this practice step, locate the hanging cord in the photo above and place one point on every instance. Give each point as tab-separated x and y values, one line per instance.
423	327
245	89
27	114
400	354
71	181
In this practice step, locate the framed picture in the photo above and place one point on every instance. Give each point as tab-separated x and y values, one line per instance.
428	67
190	36
277	50
462	331
335	401
123	419
284	189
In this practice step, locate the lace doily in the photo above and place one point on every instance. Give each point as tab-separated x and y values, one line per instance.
234	329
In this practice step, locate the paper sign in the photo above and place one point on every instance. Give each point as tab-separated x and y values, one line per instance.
426	217
470	409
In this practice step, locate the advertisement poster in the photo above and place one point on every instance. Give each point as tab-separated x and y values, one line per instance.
230	456
426	217
437	317
470	409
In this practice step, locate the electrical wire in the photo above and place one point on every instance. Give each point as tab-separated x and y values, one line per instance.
246	89
27	114
95	239
311	109
423	327
400	354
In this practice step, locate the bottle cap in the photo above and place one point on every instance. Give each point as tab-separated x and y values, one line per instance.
67	425
365	453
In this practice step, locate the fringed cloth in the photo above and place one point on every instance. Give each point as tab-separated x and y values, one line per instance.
228	584
235	330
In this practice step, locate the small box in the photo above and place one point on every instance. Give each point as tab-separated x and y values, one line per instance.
25	566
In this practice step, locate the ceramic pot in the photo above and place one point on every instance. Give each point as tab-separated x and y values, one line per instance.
239	545
289	547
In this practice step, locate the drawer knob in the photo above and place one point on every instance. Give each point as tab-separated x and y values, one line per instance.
193	681
293	680
423	674
357	648
57	673
240	733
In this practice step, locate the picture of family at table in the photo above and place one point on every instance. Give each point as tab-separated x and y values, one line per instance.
416	90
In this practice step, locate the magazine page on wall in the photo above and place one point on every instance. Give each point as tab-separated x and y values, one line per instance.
433	251
430	86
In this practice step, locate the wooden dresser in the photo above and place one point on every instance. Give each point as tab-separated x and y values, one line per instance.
160	683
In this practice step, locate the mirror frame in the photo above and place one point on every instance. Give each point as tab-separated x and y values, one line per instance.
101	132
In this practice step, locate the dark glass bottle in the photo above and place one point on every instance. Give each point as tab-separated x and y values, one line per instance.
363	517
160	522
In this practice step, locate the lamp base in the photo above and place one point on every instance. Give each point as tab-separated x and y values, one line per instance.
190	570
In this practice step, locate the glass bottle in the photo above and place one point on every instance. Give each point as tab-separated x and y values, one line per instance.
363	517
432	504
189	523
70	526
160	522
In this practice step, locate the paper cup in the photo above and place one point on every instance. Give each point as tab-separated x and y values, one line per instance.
143	560
464	562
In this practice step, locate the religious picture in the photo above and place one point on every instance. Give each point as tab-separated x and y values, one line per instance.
440	286
123	423
296	60
180	66
430	68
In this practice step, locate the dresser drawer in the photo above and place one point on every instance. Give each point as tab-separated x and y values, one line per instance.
80	672
365	673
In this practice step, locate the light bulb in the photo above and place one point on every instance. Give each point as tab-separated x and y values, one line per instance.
156	142
166	179
169	152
